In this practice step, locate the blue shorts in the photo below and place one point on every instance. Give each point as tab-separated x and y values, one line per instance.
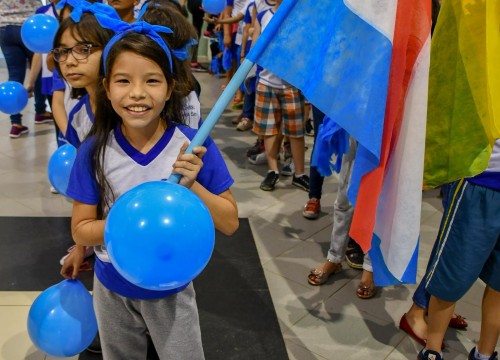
468	243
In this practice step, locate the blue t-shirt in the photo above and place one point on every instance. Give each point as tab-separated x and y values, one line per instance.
125	168
80	121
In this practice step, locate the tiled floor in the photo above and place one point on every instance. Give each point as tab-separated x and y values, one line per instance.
327	322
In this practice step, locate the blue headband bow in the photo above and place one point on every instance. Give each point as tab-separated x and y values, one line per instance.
141	27
106	15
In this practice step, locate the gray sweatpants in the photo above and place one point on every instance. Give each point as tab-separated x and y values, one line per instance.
172	322
343	211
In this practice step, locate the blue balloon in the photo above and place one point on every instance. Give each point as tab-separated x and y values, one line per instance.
159	235
13	97
61	320
213	6
60	165
38	32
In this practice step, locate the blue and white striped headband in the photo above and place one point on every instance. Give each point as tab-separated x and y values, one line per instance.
141	27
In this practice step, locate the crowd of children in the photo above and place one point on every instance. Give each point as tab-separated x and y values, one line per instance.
121	90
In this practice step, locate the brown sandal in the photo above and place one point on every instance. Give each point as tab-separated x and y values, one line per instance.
318	277
366	291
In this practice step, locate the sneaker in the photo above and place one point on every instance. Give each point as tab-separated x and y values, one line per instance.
237	120
44	118
53	190
472	355
354	258
245	124
196	67
309	128
312	209
17	131
256	149
429	355
95	345
301	182
288	168
258	159
270	181
209	34
89	251
287	151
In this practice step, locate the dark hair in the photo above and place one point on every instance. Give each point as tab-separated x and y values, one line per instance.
87	30
165	13
106	119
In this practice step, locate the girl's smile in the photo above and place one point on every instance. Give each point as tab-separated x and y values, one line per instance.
137	96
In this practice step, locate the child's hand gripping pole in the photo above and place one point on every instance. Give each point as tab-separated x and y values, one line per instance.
240	75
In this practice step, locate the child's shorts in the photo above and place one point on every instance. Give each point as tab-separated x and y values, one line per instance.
274	106
468	242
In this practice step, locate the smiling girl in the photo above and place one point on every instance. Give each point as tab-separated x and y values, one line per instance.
137	137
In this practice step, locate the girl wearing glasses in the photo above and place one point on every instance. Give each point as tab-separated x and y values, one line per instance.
77	55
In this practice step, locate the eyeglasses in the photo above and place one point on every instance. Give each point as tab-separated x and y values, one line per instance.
79	52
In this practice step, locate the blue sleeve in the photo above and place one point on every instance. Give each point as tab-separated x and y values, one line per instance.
82	184
248	14
230	3
214	175
57	81
71	134
260	16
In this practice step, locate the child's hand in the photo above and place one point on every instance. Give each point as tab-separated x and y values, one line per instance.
72	262
189	165
210	20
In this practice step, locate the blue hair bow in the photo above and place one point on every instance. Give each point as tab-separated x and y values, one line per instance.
141	27
106	15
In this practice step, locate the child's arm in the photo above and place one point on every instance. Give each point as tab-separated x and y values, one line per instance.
244	41
72	263
85	228
35	68
59	111
229	20
222	207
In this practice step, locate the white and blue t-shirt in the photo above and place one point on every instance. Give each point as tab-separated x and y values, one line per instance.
490	177
124	168
191	110
80	121
265	76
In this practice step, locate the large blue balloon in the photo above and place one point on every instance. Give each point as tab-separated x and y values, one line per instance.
61	321
159	235
13	97
213	6
38	33
60	165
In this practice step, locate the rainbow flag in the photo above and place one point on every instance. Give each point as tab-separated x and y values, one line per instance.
463	118
365	65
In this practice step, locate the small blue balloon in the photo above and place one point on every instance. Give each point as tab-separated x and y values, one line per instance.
38	32
61	320
213	6
13	97
159	235
59	168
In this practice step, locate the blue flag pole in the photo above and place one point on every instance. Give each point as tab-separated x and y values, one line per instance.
237	79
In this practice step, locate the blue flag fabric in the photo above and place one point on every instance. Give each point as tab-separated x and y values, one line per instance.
341	64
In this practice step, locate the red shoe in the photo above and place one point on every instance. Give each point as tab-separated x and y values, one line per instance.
44	118
403	325
312	209
458	322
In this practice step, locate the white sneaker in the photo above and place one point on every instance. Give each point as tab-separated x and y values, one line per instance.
258	159
53	190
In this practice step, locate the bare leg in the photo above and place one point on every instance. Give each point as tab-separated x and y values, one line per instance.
297	146
416	319
272	146
440	313
490	322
